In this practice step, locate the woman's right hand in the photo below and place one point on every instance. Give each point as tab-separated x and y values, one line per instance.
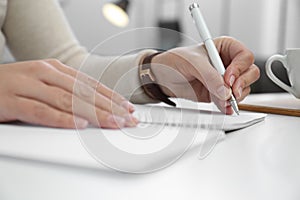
49	93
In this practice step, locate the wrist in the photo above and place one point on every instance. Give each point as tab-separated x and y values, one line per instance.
149	82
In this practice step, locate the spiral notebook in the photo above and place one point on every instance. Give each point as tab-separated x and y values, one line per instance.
196	116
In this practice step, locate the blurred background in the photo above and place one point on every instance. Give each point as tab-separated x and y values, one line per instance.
265	26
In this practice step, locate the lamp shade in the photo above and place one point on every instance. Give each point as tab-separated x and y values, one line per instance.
116	13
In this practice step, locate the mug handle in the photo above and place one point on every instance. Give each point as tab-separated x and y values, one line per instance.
271	75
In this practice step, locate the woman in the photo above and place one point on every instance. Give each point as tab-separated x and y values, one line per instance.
39	87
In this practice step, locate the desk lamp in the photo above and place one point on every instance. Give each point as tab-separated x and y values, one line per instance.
116	13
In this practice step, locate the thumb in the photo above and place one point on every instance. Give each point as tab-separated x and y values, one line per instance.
214	82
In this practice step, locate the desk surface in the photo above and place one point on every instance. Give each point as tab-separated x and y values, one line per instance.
258	162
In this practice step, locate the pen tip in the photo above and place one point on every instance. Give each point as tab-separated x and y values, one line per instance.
234	105
235	108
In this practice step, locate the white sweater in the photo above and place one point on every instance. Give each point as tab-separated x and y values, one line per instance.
37	29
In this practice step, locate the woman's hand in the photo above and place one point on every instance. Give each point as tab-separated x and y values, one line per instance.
50	93
186	72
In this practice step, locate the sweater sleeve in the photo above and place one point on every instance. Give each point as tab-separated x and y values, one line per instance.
38	29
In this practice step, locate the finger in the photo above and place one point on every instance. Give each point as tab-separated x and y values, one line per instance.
35	112
97	117
98	100
114	96
245	92
201	93
223	106
236	68
194	67
212	80
59	79
101	117
66	102
245	80
235	56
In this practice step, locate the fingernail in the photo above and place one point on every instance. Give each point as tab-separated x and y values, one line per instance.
223	92
240	90
80	123
116	120
231	80
131	121
131	107
128	106
136	120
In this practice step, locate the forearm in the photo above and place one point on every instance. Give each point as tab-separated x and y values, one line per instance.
118	73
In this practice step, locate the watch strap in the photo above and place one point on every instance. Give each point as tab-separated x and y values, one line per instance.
148	81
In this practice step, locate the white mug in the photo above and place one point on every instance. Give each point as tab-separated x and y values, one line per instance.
291	62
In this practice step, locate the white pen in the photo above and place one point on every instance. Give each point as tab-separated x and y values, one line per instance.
210	47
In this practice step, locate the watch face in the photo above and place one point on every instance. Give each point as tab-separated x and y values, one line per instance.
146	73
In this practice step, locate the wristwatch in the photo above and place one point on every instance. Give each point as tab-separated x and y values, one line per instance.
148	81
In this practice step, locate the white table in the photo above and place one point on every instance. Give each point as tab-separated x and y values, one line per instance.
258	162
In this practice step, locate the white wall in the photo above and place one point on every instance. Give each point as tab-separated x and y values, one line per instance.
293	24
256	23
91	28
89	25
